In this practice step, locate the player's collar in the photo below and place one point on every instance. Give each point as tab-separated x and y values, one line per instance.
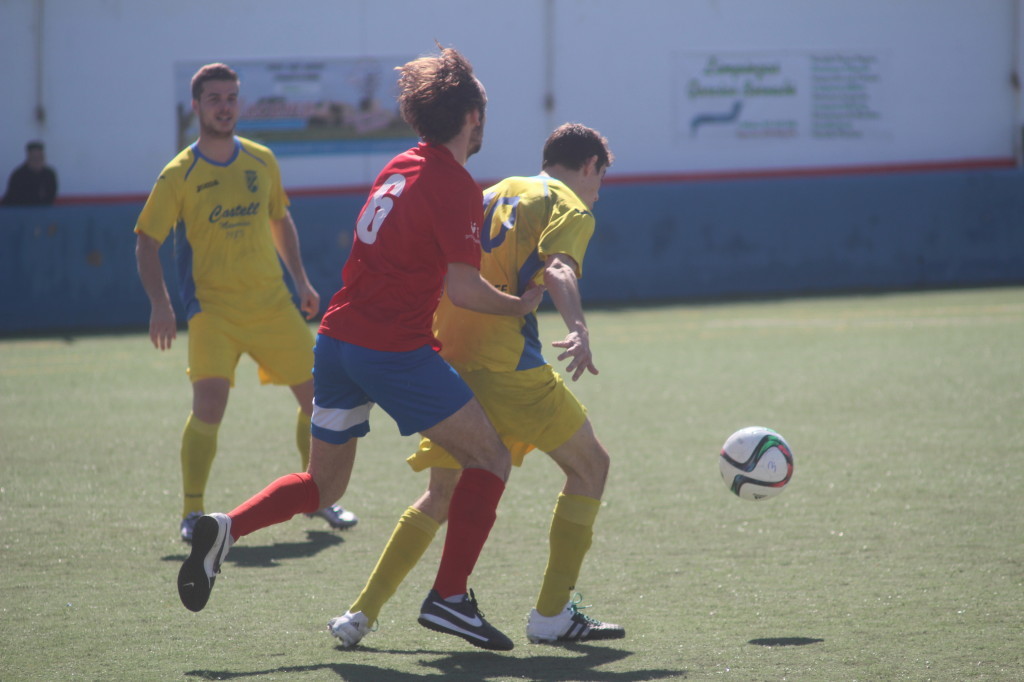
231	159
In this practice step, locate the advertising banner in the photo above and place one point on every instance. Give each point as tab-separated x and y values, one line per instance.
805	103
309	106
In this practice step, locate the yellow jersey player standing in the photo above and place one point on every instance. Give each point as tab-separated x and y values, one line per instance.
536	229
222	196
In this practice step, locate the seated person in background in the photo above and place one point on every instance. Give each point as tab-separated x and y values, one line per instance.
33	183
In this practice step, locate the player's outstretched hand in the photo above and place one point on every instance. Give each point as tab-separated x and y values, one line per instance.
577	347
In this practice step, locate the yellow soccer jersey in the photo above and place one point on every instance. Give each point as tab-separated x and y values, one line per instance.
525	221
220	214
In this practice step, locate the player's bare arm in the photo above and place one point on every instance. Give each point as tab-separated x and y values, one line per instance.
563	287
163	324
467	289
286	241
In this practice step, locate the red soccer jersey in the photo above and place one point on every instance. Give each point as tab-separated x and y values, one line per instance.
424	212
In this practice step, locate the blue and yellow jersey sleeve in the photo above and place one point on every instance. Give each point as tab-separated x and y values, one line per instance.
220	214
526	220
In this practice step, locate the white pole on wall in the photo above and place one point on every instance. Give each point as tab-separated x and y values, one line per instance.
37	31
1016	77
549	63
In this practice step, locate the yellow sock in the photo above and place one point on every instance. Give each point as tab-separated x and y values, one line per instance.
572	529
302	438
410	539
198	448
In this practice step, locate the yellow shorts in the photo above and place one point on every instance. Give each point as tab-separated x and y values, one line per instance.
529	409
280	343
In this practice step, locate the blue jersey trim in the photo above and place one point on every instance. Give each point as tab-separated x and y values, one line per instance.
528	269
531	356
186	283
199	155
195	160
250	154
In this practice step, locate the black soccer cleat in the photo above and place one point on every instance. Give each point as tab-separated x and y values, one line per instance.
462	619
211	541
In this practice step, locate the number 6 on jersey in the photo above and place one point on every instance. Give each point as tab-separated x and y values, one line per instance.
378	207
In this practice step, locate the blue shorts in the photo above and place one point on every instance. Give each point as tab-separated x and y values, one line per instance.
417	388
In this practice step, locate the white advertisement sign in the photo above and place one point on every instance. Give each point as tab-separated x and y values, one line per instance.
803	102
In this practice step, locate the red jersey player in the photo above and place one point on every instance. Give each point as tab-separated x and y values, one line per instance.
417	235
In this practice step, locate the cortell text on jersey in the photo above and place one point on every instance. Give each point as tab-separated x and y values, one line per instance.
219	212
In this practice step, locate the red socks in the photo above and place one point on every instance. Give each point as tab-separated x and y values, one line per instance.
471	514
281	500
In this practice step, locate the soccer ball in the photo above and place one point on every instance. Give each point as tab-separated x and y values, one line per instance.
756	463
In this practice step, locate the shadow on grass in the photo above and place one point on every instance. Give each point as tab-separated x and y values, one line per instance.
268	556
472	665
785	641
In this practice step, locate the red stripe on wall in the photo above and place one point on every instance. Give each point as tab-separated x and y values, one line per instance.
643	178
816	171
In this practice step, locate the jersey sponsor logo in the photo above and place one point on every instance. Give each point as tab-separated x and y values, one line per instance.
252	181
207	185
474	232
220	213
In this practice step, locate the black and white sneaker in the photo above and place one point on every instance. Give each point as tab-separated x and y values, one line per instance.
569	626
211	540
462	619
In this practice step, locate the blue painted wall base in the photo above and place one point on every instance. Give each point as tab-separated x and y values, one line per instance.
67	269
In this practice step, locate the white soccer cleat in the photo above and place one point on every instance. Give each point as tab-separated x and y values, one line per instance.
570	625
350	628
337	516
188	526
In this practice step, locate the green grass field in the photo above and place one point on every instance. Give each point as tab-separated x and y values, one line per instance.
896	553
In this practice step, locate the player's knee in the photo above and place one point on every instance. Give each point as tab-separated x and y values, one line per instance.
593	468
490	455
499	461
586	469
597	457
500	464
602	461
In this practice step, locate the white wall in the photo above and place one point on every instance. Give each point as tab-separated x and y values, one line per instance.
107	72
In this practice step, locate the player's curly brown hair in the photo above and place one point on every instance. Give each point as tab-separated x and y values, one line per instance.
571	144
211	72
437	92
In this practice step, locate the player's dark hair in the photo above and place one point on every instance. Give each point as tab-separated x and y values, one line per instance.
34	144
436	93
571	144
211	72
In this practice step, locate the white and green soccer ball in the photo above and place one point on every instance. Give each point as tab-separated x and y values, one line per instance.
756	463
